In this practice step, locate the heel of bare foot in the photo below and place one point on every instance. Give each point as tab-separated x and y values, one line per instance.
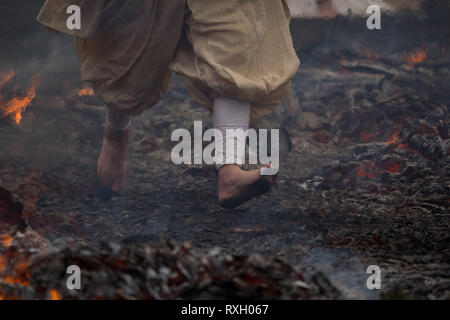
237	186
111	164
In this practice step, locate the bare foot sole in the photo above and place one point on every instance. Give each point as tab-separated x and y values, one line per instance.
111	164
237	186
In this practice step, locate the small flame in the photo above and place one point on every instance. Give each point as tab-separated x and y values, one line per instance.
55	295
371	56
21	274
6	79
17	280
6	241
17	105
395	136
416	57
86	91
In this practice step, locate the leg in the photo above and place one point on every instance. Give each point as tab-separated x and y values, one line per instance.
111	164
127	61
235	185
240	50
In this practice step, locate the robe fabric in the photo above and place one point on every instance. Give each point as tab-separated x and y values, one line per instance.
238	49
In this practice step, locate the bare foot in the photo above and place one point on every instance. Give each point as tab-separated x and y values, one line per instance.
237	186
326	9
112	162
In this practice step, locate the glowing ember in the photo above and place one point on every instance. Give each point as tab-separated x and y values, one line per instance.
366	171
251	229
17	105
416	57
364	174
6	241
21	275
395	136
6	79
3	263
371	56
17	280
322	137
55	295
395	142
86	91
402	146
366	137
394	167
436	131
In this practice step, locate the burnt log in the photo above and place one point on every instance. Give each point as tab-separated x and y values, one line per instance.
435	147
10	212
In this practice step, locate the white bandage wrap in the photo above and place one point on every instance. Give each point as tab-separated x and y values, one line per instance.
231	118
117	120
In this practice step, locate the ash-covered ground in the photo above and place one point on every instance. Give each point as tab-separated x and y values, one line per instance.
364	173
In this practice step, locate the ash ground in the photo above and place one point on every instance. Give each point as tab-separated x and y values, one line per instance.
354	188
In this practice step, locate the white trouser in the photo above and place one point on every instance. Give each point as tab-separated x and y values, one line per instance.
230	115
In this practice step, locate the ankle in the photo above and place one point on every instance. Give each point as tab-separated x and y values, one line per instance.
117	136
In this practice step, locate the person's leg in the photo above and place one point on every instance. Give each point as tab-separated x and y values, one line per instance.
129	81
241	50
235	185
111	164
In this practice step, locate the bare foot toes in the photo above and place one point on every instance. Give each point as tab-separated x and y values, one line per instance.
111	164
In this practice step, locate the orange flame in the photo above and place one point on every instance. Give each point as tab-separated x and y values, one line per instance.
21	274
395	136
17	280
416	57
55	295
6	241
17	105
6	79
86	91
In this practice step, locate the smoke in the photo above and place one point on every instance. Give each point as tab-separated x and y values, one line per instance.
28	48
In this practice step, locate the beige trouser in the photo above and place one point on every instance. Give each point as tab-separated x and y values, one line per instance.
235	49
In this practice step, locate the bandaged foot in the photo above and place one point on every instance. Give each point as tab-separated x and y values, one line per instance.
236	186
111	164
